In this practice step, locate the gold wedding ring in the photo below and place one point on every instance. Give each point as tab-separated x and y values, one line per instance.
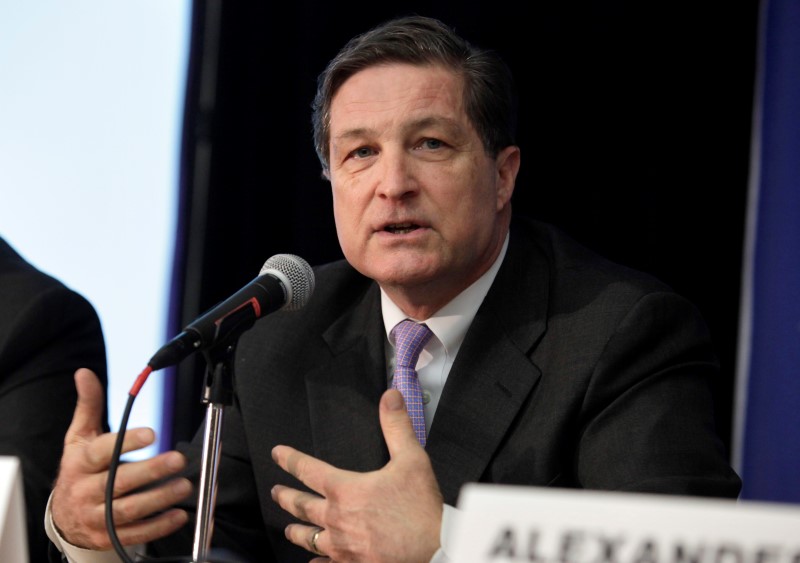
313	541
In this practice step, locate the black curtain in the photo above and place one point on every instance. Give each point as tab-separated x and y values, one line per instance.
634	129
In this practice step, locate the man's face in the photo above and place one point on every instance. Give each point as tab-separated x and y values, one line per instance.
417	201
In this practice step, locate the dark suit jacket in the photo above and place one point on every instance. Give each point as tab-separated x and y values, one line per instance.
576	372
47	331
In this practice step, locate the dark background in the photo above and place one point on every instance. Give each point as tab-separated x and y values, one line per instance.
634	127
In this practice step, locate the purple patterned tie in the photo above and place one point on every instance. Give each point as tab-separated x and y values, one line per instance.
410	338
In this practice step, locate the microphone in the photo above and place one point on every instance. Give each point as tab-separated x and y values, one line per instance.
286	282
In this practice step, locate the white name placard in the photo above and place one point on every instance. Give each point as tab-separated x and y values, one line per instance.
13	530
503	524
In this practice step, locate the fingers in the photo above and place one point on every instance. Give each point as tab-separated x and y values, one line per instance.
306	506
313	538
300	504
141	532
135	475
309	508
137	507
78	502
87	419
97	453
396	425
91	487
312	472
138	518
369	516
160	526
312	542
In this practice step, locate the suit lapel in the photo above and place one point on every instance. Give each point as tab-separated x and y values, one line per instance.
489	382
344	392
492	376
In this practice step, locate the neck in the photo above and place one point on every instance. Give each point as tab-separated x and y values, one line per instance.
421	302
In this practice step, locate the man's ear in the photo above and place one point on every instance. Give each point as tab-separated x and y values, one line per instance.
508	161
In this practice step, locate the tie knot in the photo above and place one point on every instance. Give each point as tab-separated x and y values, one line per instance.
410	338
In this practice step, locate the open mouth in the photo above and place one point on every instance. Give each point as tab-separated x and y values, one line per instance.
401	228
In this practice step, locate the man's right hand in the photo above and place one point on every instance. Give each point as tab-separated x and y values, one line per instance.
78	500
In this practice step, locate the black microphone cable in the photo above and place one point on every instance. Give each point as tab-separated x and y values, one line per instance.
115	461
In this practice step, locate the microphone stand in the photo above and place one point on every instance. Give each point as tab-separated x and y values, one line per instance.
217	394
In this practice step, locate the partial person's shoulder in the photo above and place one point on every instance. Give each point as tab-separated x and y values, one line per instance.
338	287
339	293
25	289
570	260
337	280
22	279
595	293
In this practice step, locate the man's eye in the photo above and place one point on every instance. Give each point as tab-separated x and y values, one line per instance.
432	144
362	152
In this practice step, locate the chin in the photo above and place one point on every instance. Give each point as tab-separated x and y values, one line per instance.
398	269
406	277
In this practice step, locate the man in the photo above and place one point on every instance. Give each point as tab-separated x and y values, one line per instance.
47	331
547	365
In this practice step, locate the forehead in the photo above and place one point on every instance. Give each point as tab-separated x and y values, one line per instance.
389	90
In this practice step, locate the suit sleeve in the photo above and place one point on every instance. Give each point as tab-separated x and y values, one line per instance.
647	422
57	332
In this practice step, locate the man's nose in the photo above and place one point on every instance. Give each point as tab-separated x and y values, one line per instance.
397	176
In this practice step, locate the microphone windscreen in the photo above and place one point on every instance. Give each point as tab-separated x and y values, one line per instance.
297	276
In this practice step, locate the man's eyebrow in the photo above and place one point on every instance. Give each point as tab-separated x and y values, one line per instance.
451	125
353	133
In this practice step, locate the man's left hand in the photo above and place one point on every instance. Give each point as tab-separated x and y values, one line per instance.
390	515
